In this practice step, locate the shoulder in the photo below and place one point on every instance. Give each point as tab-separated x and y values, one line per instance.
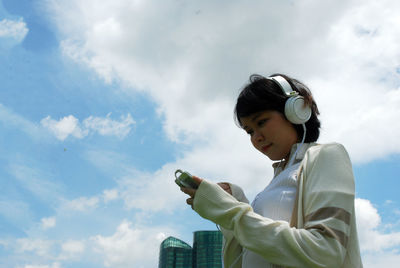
327	152
327	147
329	164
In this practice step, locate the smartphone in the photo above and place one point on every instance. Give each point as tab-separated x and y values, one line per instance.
184	179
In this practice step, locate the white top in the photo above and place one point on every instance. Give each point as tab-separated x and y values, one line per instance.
276	202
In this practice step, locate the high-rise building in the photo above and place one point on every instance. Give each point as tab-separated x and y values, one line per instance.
206	251
174	253
207	248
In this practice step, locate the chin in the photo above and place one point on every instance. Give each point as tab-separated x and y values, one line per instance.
272	158
275	158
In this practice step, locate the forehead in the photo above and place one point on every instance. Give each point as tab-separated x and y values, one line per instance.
247	121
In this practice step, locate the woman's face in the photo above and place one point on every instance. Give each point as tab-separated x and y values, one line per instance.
270	133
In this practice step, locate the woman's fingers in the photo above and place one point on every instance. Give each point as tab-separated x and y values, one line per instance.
197	180
189	191
225	186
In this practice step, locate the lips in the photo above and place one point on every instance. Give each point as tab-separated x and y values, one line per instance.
266	147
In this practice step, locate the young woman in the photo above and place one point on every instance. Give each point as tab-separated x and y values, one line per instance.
305	217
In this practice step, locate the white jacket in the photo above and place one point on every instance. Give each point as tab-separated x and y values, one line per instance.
322	231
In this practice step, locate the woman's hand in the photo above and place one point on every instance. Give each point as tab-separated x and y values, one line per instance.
190	191
226	187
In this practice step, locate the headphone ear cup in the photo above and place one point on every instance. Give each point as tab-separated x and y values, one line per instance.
296	112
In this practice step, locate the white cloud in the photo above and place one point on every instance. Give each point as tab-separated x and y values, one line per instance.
73	246
389	202
138	190
371	237
66	126
4	243
82	204
16	211
42	185
385	259
48	223
110	195
14	31
147	191
109	127
193	57
72	249
53	265
38	251
11	119
34	183
40	247
130	246
70	126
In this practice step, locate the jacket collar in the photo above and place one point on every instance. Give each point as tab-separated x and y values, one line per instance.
299	155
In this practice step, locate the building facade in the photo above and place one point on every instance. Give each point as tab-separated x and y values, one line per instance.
207	248
205	253
175	253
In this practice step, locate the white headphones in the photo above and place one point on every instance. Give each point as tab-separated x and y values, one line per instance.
295	111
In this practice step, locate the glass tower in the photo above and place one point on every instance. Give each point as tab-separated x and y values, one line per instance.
206	251
175	253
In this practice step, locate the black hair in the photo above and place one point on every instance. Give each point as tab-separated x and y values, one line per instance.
262	94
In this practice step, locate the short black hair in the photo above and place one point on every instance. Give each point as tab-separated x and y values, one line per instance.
262	94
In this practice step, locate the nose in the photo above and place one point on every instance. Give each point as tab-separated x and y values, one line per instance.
258	137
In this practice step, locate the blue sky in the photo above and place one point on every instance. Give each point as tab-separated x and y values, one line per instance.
100	103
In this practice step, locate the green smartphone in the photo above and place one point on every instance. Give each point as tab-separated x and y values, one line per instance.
184	179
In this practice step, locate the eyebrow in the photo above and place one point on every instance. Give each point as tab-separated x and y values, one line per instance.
254	118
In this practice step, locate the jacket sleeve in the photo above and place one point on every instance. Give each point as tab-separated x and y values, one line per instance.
328	201
231	248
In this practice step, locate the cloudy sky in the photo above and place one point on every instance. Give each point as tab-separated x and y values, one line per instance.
101	101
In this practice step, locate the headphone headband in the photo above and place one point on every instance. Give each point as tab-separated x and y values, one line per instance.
295	109
284	85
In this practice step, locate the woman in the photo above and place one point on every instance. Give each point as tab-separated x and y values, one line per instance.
305	217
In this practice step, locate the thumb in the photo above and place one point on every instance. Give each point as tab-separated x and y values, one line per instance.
197	180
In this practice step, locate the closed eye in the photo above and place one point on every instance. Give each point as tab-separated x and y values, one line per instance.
249	131
261	122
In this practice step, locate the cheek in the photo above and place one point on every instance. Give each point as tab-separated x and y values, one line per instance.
293	135
253	141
